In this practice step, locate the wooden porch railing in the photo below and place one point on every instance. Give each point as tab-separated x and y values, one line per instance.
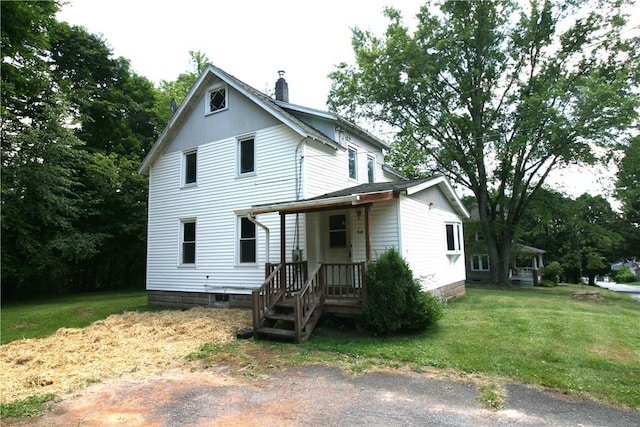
344	281
306	301
290	283
266	297
296	274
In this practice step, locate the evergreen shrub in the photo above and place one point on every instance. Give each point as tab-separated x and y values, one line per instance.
395	301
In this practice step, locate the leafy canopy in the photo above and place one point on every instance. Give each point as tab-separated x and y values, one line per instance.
495	95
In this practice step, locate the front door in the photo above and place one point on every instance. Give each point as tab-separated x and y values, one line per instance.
338	243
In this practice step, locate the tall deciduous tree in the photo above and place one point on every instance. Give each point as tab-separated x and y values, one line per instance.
39	157
112	110
76	123
628	193
495	95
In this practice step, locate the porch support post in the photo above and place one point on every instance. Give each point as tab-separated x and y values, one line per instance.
283	255
283	238
367	230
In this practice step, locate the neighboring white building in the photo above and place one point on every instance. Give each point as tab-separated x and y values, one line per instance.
238	180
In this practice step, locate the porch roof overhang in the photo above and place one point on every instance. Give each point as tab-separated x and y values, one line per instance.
317	204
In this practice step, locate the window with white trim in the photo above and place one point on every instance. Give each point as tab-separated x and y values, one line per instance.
247	246
353	163
217	100
246	156
338	231
371	169
480	263
454	237
189	167
187	241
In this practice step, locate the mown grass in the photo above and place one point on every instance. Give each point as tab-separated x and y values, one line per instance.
40	318
535	335
538	336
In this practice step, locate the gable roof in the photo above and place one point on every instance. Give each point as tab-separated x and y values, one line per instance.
362	194
281	111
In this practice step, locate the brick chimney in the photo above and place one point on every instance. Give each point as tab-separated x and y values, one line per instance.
282	88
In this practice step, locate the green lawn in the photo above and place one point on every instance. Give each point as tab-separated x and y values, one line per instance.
535	335
44	317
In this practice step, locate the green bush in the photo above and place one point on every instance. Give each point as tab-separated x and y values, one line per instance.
624	275
395	300
546	283
553	270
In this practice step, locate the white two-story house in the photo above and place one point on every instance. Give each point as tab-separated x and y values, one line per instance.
239	181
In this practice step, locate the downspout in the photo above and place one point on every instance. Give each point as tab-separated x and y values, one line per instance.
298	174
266	230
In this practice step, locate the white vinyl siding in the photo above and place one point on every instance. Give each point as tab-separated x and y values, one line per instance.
326	169
213	201
424	243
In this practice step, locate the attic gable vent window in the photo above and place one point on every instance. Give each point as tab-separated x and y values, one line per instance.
217	100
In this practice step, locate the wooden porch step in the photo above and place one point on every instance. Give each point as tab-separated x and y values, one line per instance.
277	333
287	303
283	317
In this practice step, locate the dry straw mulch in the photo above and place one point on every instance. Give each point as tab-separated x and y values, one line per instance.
132	344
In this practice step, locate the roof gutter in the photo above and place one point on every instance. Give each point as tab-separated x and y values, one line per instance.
304	204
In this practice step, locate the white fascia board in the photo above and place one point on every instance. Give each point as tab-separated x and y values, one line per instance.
304	204
162	139
446	188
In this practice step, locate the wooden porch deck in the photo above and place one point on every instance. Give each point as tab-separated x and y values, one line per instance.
290	301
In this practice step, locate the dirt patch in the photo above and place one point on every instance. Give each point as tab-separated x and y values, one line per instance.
587	295
133	344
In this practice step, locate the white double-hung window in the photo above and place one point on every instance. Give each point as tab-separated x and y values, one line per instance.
189	167
187	242
453	232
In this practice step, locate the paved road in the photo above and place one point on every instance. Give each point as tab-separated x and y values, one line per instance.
634	291
317	396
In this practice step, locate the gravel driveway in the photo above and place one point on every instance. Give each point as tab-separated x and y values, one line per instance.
314	396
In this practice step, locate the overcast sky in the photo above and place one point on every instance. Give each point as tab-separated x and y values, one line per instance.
250	39
253	39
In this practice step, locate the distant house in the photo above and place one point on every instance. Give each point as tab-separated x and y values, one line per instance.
526	262
245	189
632	264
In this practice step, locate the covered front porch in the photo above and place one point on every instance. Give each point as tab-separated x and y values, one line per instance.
526	265
296	292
